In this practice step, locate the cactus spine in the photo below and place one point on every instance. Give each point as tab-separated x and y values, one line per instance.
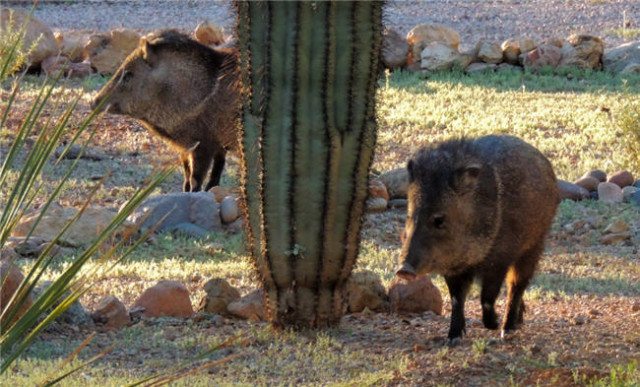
308	136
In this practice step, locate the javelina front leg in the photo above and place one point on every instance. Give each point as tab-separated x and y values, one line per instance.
201	160
491	284
186	168
216	170
518	279
458	288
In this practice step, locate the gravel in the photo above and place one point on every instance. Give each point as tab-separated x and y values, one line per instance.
473	19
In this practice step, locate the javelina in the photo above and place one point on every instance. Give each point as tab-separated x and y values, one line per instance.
479	208
184	92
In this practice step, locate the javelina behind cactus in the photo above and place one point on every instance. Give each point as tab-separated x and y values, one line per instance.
308	135
479	208
184	92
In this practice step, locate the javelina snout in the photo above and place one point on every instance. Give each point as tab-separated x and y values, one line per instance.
184	92
479	209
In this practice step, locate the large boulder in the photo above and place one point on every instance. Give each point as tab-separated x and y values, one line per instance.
438	56
424	34
543	55
584	51
166	298
111	313
10	279
395	49
417	296
250	307
169	211
71	44
107	51
365	290
218	295
488	52
91	223
618	59
397	182
36	31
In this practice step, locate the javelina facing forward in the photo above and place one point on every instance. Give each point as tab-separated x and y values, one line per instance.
479	208
184	92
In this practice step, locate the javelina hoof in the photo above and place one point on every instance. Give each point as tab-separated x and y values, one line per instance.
507	334
454	342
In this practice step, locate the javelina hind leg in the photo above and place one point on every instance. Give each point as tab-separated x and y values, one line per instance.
186	166
458	288
491	284
216	171
518	279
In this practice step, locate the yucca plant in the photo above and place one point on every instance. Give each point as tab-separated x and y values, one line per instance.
308	135
20	175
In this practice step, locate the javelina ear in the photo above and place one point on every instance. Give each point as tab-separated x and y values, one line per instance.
147	50
467	178
410	169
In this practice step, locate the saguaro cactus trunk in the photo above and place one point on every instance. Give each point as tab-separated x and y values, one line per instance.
308	135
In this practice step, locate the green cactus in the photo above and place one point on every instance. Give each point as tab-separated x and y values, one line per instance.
308	136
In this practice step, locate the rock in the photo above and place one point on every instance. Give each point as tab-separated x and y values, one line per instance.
111	313
75	150
628	192
53	65
397	182
71	44
229	210
365	290
554	42
507	67
438	56
618	58
593	195
480	68
398	203
236	226
36	30
571	191
635	199
10	278
510	51
424	34
631	68
107	51
616	227
90	224
75	315
376	205
637	183
377	189
214	248
8	254
526	45
166	298
597	174
543	55
198	208
218	295
416	296
222	192
584	51
609	193
611	239
589	183
395	49
34	247
250	307
209	33
190	230
489	52
621	178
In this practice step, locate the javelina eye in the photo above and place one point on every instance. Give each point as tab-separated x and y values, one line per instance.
438	221
127	76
